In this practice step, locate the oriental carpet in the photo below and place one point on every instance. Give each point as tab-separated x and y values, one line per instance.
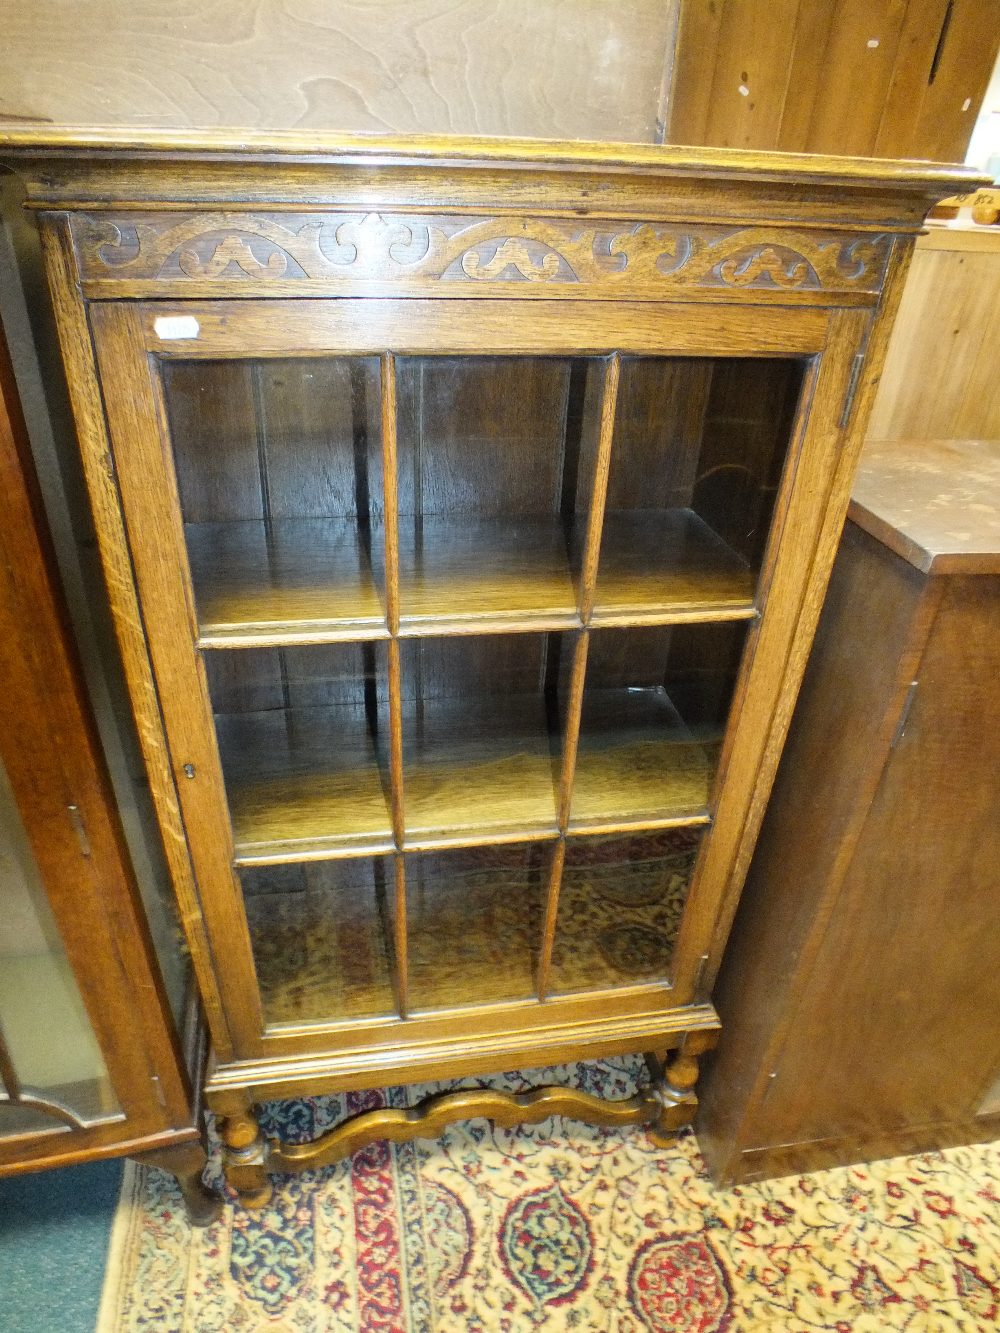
561	1226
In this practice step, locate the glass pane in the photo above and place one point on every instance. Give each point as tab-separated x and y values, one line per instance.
279	473
474	924
495	459
48	1046
482	727
655	706
303	735
620	907
698	452
322	939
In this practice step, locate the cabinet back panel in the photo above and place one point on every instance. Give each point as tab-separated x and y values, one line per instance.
484	437
213	426
276	439
748	423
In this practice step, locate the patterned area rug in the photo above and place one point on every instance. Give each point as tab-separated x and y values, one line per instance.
561	1226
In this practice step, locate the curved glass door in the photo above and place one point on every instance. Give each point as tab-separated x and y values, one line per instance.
52	1073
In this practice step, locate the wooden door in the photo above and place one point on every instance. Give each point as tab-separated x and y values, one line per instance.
458	614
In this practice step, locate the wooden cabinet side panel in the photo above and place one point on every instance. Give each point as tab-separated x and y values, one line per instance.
897	1026
853	691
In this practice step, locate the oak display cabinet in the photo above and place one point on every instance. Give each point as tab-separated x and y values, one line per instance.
465	509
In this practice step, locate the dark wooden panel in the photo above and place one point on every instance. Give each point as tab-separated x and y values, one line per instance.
862	983
213	426
564	69
748	426
504	417
922	1041
320	421
658	429
851	698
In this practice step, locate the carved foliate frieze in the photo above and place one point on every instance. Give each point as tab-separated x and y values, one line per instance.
418	253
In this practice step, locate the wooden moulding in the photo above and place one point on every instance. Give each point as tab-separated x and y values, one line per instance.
69	166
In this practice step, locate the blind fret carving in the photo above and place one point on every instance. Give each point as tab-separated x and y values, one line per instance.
423	253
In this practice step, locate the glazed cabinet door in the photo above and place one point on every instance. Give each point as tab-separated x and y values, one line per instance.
90	1064
458	618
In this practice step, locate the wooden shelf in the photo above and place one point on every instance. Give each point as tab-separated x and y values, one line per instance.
481	575
307	783
294	581
302	783
638	764
659	566
311	580
475	770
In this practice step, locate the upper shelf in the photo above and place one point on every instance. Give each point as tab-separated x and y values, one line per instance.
311	580
480	574
664	565
291	581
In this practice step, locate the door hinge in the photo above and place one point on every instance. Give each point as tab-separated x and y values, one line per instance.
702	964
79	828
904	716
852	388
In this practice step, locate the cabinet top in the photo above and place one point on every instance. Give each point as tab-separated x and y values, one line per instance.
88	165
936	503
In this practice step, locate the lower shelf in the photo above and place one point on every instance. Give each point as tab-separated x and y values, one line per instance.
638	764
302	782
479	769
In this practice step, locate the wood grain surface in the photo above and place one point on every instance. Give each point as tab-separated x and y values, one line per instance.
293	581
886	78
637	763
770	267
657	565
940	379
564	69
835	1049
934	502
302	782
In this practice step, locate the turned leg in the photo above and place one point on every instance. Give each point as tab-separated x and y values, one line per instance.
673	1086
245	1158
187	1161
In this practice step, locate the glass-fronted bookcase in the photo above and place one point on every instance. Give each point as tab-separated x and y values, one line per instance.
468	567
